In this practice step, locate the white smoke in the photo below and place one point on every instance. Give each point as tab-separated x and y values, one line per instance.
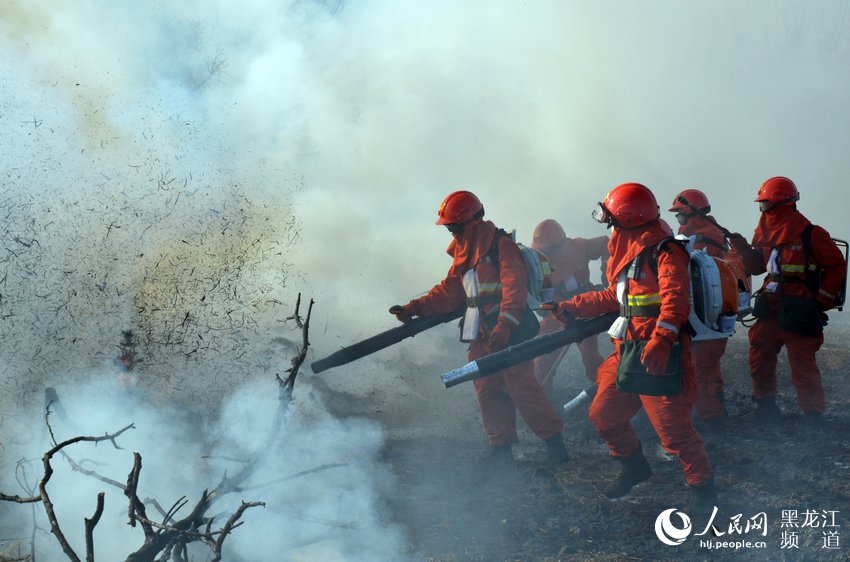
183	170
333	511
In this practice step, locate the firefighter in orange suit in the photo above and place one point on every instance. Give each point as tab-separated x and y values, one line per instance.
706	235
568	258
805	271
649	285
489	278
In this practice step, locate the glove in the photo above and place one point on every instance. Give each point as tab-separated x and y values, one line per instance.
656	354
737	241
498	337
566	312
405	313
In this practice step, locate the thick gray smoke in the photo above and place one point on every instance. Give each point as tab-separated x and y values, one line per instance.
182	170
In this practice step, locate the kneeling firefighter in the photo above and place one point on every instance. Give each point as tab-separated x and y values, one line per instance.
490	278
806	273
651	363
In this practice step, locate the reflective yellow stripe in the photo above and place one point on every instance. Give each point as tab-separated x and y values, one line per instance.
547	270
489	287
794	268
644	300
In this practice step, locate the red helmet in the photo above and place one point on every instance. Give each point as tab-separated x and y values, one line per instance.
459	207
628	206
778	190
547	234
693	196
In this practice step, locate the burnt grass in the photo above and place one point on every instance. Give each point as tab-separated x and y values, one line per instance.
456	509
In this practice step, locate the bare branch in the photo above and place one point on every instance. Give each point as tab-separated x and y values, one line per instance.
44	497
290	477
90	525
136	510
77	468
19	499
230	525
285	388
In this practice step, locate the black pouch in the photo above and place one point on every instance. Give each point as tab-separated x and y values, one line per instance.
529	325
633	378
761	308
801	315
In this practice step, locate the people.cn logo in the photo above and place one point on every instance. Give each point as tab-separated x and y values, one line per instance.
667	532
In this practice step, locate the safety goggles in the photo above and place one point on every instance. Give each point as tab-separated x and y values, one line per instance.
767	205
455	228
601	215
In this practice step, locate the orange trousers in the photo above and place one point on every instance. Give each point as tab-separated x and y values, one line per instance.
766	340
589	349
502	394
611	413
707	354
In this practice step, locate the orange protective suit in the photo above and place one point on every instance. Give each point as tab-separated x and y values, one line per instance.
500	395
780	232
707	354
571	275
612	410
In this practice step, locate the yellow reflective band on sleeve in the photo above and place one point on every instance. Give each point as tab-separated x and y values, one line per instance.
796	268
489	288
644	300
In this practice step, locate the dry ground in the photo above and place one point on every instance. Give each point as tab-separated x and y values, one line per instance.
455	510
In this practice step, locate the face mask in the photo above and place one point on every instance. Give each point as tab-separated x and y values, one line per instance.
456	228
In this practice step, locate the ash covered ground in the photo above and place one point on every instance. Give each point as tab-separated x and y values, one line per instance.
406	480
454	510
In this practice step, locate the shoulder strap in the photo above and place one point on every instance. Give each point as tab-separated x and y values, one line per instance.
811	280
634	268
493	252
807	242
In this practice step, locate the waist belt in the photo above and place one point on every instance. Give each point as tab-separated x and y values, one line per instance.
473	302
632	311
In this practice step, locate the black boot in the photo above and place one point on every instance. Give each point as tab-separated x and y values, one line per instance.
634	470
766	409
703	498
556	452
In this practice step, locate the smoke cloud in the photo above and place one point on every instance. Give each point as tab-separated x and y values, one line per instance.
183	170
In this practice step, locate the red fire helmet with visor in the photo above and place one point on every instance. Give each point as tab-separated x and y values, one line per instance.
458	208
776	191
628	205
